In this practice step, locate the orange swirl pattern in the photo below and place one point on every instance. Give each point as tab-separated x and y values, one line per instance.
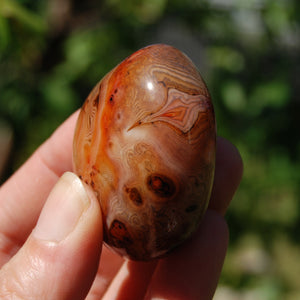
181	111
145	143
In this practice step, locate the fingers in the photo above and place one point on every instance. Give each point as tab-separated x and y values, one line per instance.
60	258
132	280
109	266
192	271
23	195
228	174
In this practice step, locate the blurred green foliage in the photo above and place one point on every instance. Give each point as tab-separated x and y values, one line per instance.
53	52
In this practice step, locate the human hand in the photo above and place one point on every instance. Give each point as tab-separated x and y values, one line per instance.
51	236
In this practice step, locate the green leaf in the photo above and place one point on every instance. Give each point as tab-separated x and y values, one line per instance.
4	33
12	9
226	58
272	94
234	96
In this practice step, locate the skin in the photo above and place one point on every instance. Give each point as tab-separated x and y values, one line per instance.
38	262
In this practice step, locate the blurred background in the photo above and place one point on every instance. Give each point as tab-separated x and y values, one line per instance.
52	52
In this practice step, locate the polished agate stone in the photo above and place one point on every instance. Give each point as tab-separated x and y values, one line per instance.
145	142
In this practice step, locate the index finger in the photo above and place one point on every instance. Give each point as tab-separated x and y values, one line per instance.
23	195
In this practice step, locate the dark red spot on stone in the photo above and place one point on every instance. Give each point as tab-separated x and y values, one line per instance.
161	185
119	234
134	196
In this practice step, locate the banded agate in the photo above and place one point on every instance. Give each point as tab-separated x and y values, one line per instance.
145	143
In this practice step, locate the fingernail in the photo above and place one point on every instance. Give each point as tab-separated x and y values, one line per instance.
65	204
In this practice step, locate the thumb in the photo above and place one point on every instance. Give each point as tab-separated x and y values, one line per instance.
60	258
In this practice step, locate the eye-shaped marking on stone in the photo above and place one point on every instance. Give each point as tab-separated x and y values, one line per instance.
134	196
181	111
161	185
119	232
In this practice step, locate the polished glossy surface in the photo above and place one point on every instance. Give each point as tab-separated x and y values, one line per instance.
145	142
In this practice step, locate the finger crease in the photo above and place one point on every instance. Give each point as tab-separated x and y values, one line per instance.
8	247
45	162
